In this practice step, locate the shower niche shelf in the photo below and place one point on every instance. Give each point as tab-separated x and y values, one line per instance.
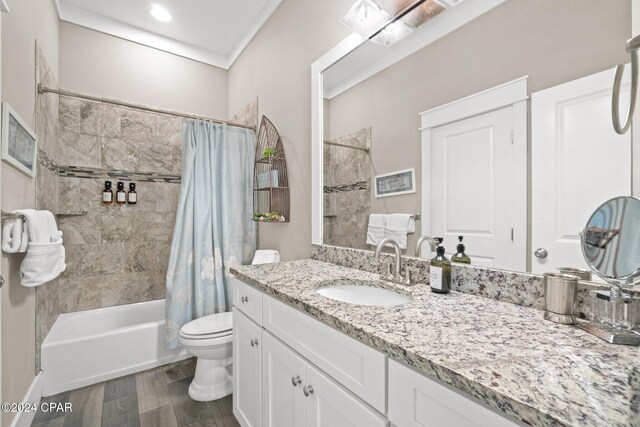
270	177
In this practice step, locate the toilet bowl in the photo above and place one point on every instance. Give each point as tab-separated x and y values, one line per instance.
209	338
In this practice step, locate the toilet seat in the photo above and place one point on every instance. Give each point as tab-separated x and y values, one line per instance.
208	327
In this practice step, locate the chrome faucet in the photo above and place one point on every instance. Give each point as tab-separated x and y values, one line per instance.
419	245
397	277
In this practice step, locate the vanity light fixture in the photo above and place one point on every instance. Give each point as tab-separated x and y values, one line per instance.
364	17
160	13
392	33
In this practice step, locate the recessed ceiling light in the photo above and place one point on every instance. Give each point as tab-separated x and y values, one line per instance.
160	13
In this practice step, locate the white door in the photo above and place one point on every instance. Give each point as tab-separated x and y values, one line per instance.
577	163
472	191
247	342
282	382
329	405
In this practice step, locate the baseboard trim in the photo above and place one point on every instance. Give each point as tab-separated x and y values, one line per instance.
34	394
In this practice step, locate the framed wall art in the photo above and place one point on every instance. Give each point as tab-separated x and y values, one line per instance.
19	143
396	183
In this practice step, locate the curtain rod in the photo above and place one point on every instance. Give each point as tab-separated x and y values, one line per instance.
44	89
366	150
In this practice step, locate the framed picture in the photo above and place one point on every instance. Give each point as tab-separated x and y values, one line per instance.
19	144
396	183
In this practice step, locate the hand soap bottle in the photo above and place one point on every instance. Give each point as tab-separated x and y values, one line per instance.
440	271
460	256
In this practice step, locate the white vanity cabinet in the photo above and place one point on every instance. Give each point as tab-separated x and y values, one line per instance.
291	370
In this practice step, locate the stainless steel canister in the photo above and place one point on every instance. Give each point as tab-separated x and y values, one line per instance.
560	291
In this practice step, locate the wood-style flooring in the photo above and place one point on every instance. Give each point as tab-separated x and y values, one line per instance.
153	398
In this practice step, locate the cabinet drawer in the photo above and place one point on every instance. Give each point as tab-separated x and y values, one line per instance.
248	300
359	368
416	400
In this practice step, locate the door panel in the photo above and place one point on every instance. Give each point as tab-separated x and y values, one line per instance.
472	192
246	370
578	162
282	398
329	405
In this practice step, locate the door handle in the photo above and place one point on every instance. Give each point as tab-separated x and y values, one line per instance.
296	380
307	390
541	253
254	343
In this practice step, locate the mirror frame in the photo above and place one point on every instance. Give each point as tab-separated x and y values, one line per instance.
627	280
462	14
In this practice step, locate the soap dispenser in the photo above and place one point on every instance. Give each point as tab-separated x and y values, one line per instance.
440	271
460	256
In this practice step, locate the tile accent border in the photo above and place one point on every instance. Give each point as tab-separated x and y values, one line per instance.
360	185
45	160
92	173
525	289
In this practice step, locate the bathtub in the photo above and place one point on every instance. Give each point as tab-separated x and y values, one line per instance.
91	346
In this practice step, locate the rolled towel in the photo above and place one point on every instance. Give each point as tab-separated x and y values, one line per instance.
13	237
375	229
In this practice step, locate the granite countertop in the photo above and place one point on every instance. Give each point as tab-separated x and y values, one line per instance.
505	355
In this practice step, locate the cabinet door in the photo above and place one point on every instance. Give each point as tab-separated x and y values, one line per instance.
329	405
247	342
282	382
418	401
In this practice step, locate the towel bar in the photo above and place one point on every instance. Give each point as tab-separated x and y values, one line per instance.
11	215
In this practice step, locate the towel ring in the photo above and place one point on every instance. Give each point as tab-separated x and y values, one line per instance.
632	48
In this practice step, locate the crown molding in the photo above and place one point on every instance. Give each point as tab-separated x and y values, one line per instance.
83	18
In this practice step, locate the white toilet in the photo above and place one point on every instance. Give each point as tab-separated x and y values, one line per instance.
209	338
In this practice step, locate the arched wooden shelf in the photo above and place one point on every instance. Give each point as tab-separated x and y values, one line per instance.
270	177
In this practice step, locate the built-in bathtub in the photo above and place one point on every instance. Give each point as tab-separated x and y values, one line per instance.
91	346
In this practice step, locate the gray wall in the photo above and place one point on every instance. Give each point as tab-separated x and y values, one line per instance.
29	21
103	65
552	42
276	67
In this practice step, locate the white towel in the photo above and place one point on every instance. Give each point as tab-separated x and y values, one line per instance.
15	236
45	258
375	229
397	226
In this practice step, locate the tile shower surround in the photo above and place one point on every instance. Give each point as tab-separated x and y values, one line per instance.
347	197
116	254
46	128
524	289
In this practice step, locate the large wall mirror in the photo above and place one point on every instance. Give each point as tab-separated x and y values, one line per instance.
489	119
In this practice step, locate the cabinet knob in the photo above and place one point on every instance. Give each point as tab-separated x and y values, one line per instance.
296	380
307	390
244	299
254	343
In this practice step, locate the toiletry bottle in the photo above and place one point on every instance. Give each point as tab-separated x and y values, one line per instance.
460	256
440	271
121	195
132	196
107	193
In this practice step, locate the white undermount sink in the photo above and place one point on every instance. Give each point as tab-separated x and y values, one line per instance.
361	293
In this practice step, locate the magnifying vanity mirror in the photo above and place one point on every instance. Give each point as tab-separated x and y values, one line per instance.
611	247
489	119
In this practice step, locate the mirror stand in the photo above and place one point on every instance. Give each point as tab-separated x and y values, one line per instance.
615	314
608	246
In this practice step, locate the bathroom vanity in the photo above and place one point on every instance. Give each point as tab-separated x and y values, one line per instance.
302	359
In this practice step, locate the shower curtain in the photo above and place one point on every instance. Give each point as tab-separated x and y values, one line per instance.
213	230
